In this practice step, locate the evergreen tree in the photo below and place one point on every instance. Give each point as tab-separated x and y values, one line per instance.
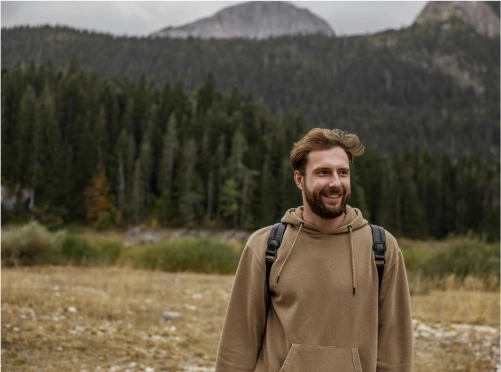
101	134
232	168
141	180
190	194
169	149
24	136
220	171
229	198
124	175
137	197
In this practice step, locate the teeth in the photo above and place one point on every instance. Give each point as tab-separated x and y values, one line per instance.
333	196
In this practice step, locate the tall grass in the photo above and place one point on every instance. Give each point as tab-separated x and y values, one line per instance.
76	250
34	244
202	255
464	258
430	265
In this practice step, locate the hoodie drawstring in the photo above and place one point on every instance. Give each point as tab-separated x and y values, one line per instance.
290	250
352	261
350	229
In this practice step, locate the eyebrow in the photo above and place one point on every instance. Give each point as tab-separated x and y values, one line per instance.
320	169
329	169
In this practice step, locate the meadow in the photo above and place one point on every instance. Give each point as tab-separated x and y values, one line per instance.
95	303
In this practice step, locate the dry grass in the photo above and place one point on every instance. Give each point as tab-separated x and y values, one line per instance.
110	319
457	329
118	320
457	306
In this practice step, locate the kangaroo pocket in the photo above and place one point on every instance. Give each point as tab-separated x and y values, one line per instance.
313	358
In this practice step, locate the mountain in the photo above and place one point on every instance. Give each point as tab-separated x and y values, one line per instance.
386	87
477	14
496	6
253	20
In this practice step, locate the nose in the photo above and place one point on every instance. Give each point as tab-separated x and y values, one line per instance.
334	181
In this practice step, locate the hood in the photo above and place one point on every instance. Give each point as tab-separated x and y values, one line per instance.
353	218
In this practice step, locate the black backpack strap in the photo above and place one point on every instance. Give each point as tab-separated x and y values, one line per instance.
274	242
379	247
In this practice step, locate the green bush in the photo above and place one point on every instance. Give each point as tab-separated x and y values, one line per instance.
33	244
465	257
104	221
30	244
413	257
77	250
191	254
108	251
7	215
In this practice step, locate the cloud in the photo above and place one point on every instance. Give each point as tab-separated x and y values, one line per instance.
8	9
360	17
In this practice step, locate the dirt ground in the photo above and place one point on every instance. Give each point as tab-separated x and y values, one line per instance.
117	319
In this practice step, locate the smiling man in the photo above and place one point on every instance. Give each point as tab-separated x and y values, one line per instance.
328	311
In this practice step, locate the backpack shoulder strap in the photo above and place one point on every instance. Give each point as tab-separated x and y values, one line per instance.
379	247
274	242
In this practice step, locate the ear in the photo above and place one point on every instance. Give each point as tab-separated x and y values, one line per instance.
298	178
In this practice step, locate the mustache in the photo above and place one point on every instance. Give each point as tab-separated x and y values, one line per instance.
333	190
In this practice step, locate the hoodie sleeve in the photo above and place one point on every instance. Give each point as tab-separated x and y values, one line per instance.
395	338
244	323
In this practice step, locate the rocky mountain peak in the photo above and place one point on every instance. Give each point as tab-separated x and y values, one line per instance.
475	13
253	20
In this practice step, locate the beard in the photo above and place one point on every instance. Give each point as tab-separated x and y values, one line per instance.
323	210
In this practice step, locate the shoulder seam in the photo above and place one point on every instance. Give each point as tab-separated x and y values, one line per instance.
256	257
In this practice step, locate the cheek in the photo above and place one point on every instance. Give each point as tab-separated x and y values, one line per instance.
317	184
346	185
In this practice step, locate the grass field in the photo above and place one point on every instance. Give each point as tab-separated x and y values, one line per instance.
62	318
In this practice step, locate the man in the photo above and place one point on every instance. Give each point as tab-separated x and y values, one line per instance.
326	313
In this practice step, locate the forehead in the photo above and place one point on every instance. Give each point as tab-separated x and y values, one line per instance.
332	158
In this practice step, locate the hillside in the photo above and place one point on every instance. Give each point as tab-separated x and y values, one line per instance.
494	6
253	20
479	14
427	84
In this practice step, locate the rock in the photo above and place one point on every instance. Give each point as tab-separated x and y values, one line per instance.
477	14
12	197
150	237
252	20
239	235
189	233
171	315
136	230
137	236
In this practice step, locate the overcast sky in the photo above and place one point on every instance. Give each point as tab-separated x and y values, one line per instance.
140	18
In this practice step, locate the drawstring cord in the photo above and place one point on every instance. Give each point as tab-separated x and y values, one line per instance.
350	229
352	261
290	250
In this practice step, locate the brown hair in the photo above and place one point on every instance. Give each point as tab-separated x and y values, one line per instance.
324	139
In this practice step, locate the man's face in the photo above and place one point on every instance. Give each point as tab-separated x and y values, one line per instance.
326	184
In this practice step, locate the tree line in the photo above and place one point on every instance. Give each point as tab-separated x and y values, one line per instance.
115	152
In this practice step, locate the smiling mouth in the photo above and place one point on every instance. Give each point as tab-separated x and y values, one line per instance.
332	196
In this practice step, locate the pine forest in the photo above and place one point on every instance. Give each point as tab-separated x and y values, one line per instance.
77	147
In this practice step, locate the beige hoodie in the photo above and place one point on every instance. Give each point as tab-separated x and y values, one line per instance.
318	322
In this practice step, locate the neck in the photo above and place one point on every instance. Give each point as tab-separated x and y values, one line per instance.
325	225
